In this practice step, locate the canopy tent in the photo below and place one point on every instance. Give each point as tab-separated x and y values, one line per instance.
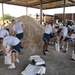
41	4
46	4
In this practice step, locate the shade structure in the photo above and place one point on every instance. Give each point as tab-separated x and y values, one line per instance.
46	4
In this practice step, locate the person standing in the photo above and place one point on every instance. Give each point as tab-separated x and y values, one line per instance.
18	31
46	37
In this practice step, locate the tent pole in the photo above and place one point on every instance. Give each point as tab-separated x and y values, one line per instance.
40	11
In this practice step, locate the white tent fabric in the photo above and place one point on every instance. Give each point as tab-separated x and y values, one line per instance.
38	60
33	70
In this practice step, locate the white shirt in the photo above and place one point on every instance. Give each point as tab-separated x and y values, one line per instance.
64	31
48	29
3	33
73	36
17	27
73	27
10	40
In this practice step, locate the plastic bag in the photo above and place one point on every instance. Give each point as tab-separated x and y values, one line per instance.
8	57
57	46
34	70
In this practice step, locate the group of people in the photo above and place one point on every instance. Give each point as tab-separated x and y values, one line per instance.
61	33
14	41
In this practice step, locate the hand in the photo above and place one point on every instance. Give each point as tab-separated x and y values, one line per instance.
5	54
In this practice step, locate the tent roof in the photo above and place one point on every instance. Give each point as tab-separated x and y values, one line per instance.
46	4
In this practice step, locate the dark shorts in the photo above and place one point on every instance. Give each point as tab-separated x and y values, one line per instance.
46	37
19	36
67	39
16	48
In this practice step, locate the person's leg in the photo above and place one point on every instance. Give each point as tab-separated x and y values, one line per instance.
74	45
46	39
0	48
66	50
73	52
46	46
63	42
13	57
12	60
22	43
20	37
67	44
16	57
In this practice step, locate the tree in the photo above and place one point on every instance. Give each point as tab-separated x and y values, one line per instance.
7	16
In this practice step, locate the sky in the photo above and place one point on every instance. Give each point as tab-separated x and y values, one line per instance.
17	11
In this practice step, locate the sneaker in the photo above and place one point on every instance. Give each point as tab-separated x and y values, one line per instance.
44	53
11	67
17	60
64	51
60	47
21	47
72	59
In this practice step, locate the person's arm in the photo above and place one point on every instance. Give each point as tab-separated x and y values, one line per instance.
14	33
10	49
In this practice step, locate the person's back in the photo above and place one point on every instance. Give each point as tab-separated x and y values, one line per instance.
3	33
11	40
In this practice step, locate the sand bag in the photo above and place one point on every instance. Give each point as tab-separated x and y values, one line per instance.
37	60
57	46
34	70
8	57
73	55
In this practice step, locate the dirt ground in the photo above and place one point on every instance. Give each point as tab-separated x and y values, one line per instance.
57	63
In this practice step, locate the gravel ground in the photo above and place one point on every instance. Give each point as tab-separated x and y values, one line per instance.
57	63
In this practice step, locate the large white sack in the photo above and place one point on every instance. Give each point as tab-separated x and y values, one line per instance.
33	70
8	57
38	60
57	46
